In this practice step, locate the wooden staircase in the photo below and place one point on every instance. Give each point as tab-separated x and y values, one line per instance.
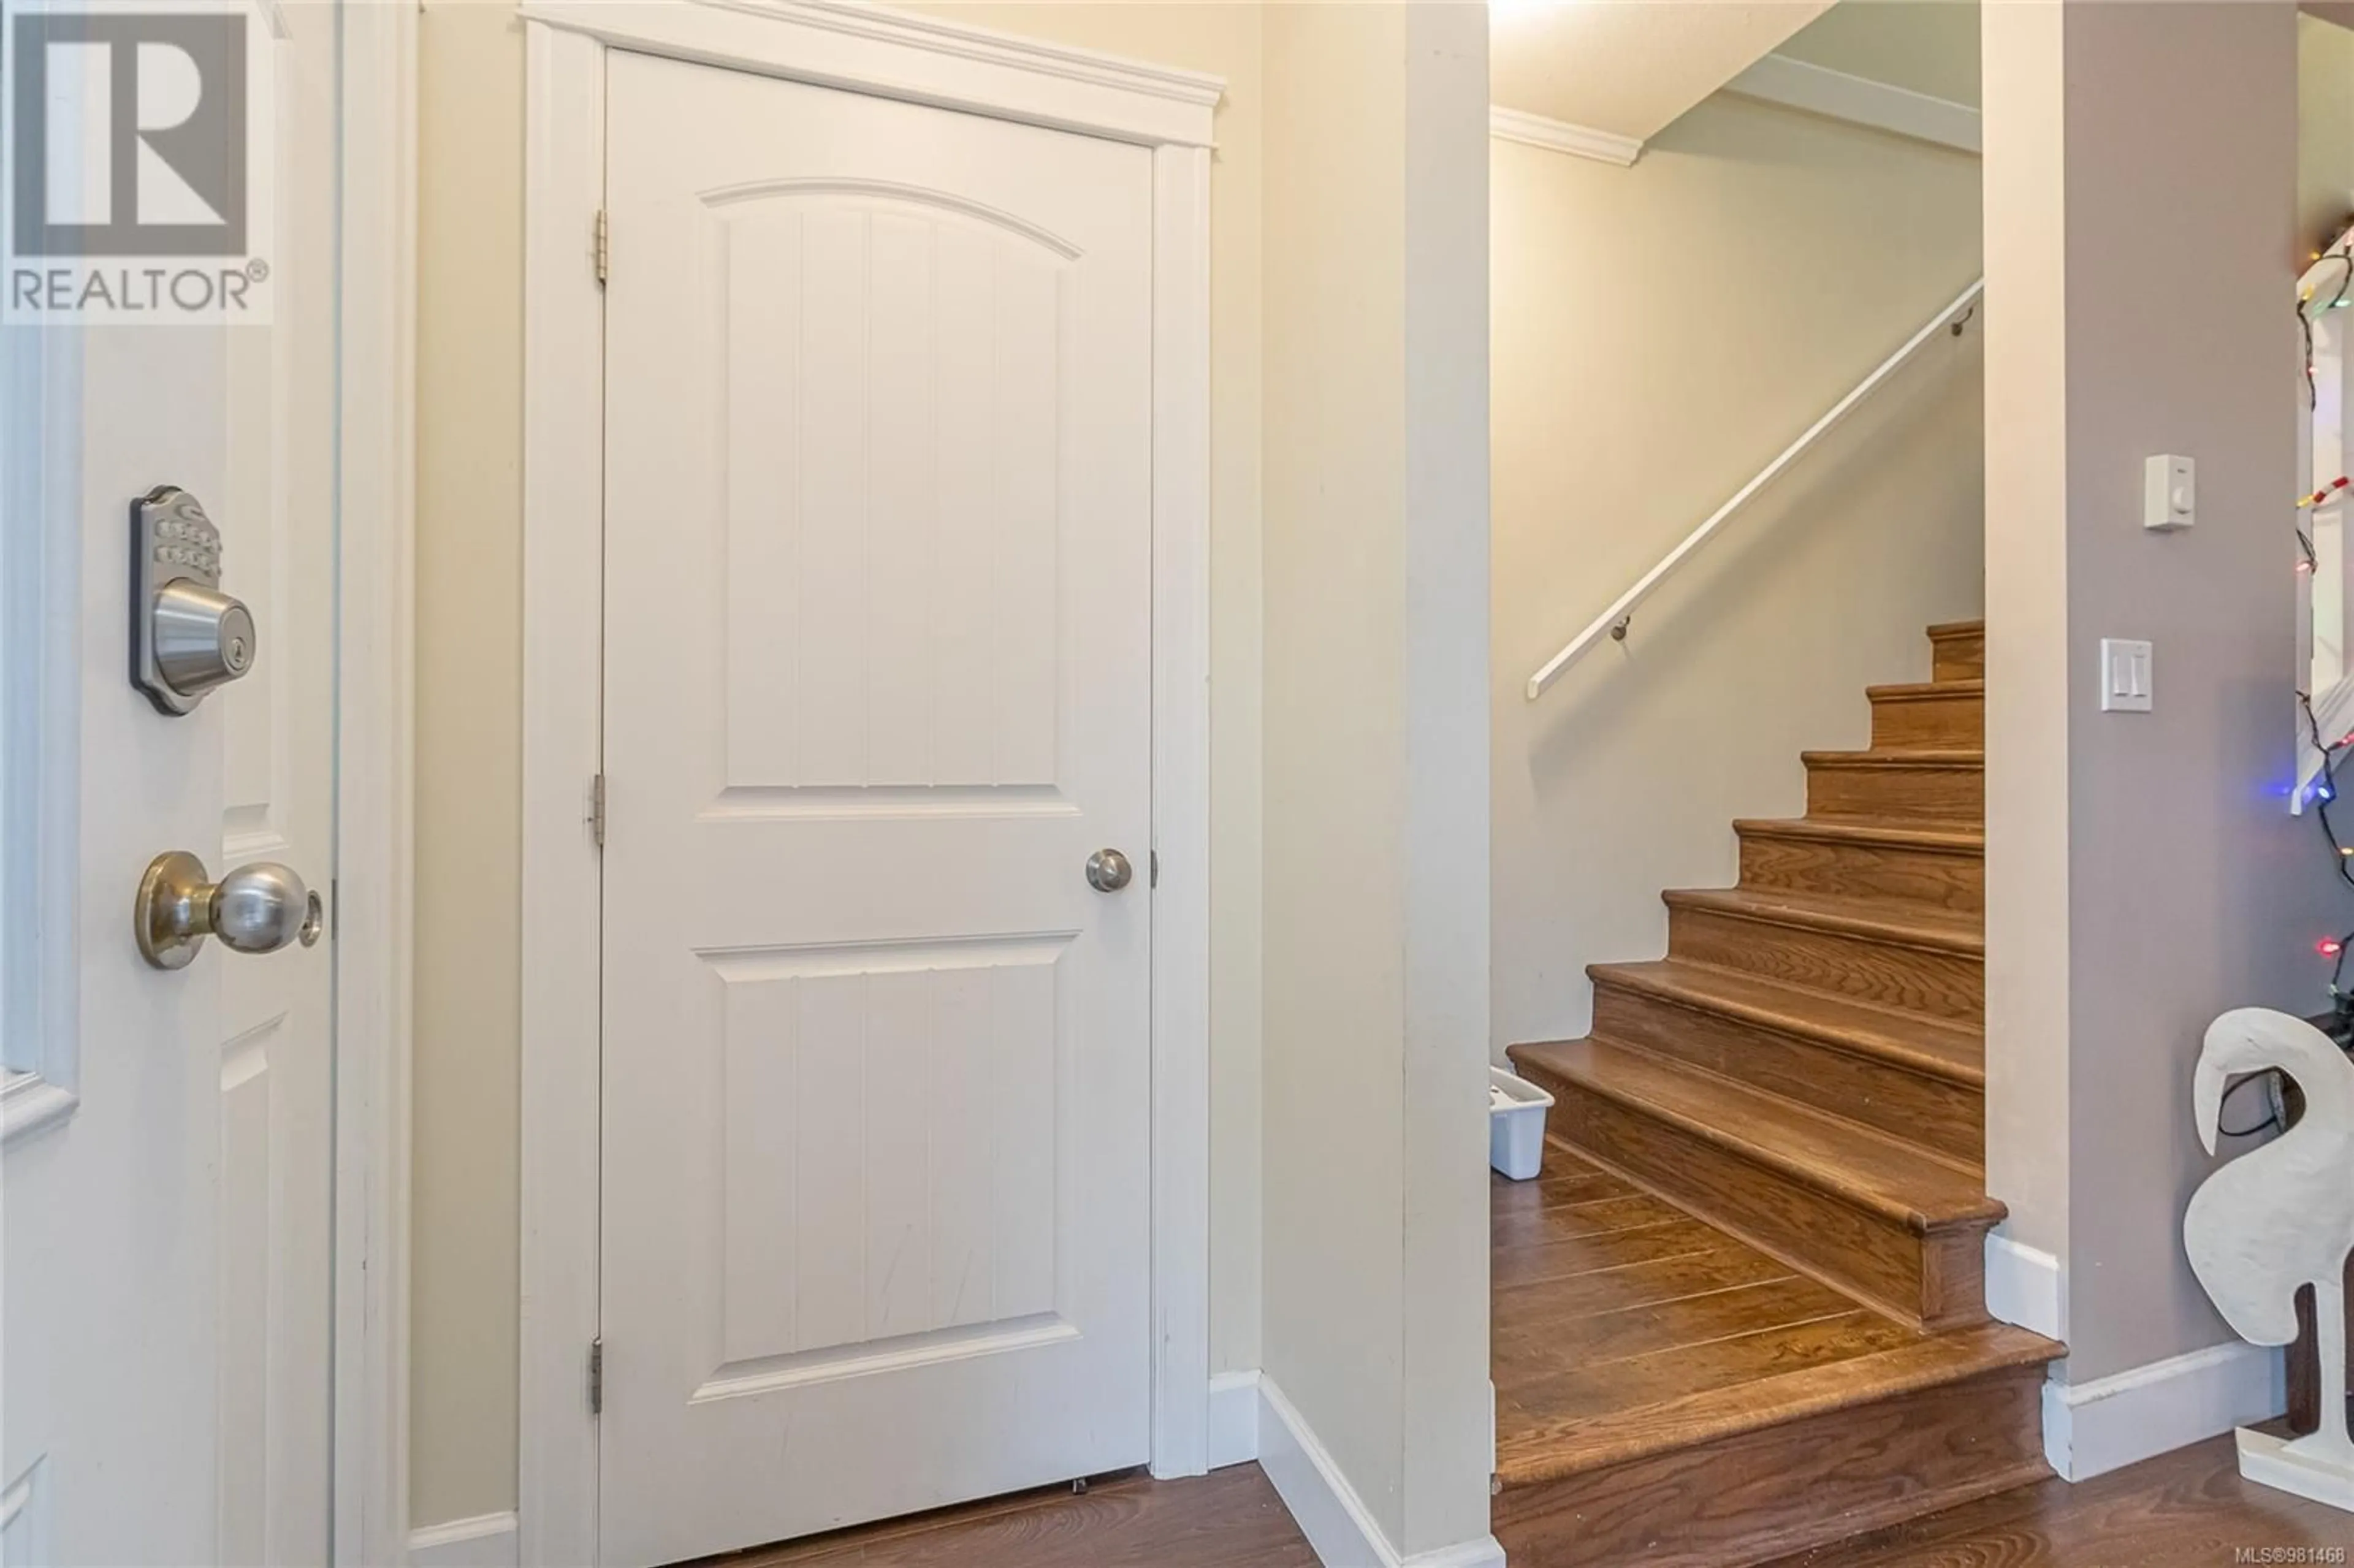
1743	1313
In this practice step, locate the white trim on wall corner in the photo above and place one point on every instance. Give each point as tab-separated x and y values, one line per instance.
1339	1526
374	811
486	1540
1181	808
1561	136
1233	1419
562	937
1835	95
2023	1287
2091	1428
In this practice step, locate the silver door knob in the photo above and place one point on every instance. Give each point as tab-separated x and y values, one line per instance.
256	908
1109	871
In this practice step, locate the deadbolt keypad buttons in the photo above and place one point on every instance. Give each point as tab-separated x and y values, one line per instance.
187	636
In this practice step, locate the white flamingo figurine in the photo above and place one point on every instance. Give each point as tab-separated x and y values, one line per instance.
2279	1217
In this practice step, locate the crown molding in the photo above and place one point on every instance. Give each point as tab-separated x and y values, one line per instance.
1560	136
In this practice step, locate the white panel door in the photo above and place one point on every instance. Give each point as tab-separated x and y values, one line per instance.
166	1182
877	683
106	1365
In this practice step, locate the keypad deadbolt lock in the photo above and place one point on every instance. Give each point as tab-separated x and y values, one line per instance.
187	636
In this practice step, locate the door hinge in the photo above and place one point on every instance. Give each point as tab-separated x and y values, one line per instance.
334	908
597	1376
604	246
597	810
1154	879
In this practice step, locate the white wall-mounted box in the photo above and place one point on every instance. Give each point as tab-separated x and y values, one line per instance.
2170	492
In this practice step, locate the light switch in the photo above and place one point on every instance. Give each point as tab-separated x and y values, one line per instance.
2125	676
2170	492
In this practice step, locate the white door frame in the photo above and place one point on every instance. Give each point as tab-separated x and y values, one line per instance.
921	59
375	758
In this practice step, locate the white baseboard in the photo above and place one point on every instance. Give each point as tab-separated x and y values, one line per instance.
2091	1428
486	1540
1233	1436
1338	1527
2023	1287
1484	1553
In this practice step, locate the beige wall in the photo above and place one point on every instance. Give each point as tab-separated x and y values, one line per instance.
463	1307
463	1221
2143	873
1661	332
2325	131
1377	755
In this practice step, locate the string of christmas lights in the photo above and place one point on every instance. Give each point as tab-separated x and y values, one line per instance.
2322	793
2344	257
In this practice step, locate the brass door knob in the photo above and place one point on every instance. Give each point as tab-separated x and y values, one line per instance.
256	908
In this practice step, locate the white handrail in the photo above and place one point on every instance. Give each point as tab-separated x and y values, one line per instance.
1614	620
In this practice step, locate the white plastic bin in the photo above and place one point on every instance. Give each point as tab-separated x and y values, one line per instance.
1516	1118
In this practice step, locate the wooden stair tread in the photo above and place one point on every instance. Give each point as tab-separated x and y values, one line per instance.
1872	920
1938	1047
1908	756
1843	1159
1538	1449
1925	691
1646	1347
1744	1314
1718	1264
1894	832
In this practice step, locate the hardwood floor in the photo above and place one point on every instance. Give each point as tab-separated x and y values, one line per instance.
1743	1313
1229	1519
2186	1509
1670	1394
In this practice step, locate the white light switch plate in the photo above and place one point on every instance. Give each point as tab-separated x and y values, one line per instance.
2125	676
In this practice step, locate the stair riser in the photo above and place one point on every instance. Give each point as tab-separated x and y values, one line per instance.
1916	878
1748	1498
1930	1113
1952	721
1959	657
1934	982
1932	1281
1931	793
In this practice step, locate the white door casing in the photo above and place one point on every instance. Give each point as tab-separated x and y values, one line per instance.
877	683
167	1258
895	56
277	1081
